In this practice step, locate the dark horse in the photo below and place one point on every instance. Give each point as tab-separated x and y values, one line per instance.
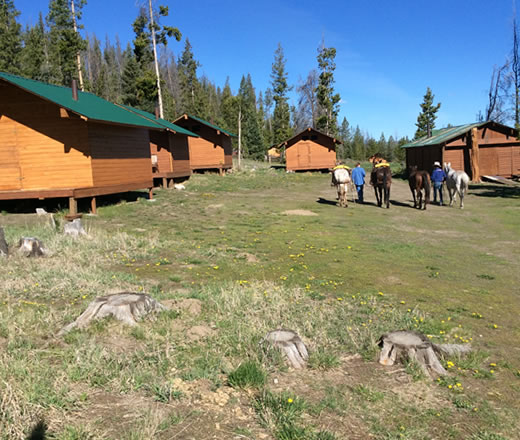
381	180
418	181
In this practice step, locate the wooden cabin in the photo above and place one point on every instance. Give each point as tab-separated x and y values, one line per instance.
212	149
310	150
170	153
480	149
59	142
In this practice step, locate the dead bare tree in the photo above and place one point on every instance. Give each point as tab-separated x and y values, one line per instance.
308	100
515	72
497	90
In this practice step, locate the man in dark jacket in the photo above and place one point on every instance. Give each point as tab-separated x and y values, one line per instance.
438	178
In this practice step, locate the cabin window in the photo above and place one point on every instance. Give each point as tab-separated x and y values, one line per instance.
154	159
314	137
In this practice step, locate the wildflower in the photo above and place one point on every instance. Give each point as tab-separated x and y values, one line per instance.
402	302
339	298
492	364
380	293
290	400
215	267
495	326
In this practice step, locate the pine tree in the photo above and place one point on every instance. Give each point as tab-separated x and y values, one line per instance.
327	99
190	86
228	109
346	137
251	133
426	119
358	145
131	73
282	116
65	42
10	37
34	56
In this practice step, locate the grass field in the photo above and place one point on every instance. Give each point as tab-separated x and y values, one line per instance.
236	256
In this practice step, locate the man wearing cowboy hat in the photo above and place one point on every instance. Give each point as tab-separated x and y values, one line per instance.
438	178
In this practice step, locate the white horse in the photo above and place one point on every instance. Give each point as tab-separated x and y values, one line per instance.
457	182
341	177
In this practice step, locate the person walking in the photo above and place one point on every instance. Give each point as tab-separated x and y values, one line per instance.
438	178
358	177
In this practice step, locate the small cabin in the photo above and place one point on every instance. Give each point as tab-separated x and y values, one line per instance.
480	149
212	150
170	152
60	142
310	150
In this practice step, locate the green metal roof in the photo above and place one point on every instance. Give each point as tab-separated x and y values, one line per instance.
169	125
443	135
89	105
209	124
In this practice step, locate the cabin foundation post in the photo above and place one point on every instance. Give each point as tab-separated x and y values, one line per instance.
165	182
221	171
93	206
150	193
73	206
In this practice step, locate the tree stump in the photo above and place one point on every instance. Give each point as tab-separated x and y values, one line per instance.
290	344
74	228
4	249
406	344
127	307
31	247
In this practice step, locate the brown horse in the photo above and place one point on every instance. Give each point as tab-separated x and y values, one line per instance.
418	181
381	180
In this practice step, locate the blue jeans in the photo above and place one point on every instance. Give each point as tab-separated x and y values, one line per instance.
359	189
437	187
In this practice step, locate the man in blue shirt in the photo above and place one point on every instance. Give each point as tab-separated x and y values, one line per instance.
358	177
438	178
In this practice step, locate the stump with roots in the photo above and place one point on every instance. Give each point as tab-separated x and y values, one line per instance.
4	249
406	344
290	344
31	247
125	306
74	228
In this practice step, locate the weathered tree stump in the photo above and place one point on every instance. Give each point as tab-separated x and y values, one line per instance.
31	247
4	249
74	228
406	344
290	344
127	307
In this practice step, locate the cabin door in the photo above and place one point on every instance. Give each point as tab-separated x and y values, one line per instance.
10	175
304	155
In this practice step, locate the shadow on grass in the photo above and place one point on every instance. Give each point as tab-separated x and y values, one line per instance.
28	206
403	204
323	201
511	192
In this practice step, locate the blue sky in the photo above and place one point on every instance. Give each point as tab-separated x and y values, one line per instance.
388	52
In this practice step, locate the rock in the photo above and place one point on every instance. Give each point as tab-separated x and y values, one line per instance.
41	211
31	247
74	228
127	307
290	344
179	186
4	249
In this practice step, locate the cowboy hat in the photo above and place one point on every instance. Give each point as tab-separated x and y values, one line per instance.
436	164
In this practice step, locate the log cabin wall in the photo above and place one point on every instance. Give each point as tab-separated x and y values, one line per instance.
39	149
120	155
423	157
160	148
180	154
210	150
310	151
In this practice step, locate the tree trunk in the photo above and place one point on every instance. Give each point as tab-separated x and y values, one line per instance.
474	156
156	62
78	57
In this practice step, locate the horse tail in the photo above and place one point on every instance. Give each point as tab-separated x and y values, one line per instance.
427	188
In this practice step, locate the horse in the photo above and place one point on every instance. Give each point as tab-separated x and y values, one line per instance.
341	178
376	159
418	181
457	182
381	180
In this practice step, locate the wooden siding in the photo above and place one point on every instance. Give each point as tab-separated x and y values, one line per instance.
52	151
455	156
120	155
211	150
160	147
180	151
310	151
423	157
10	176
